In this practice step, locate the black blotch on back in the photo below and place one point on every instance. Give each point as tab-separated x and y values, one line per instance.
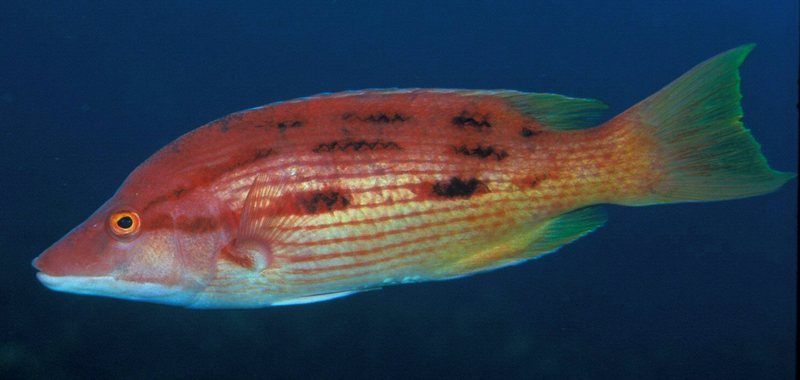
325	201
378	118
527	132
283	125
355	146
482	152
466	119
456	187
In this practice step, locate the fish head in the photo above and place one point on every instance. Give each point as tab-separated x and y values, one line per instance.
138	247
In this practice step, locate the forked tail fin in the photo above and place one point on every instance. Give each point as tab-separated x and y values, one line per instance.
704	151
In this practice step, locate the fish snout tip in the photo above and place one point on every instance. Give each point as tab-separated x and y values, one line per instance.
35	263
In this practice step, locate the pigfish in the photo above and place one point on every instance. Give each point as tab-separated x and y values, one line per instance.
321	197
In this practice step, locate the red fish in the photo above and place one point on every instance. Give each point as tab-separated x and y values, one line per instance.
322	197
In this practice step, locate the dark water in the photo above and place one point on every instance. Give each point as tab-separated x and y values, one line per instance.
89	89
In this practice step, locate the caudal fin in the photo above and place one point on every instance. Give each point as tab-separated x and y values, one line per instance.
704	150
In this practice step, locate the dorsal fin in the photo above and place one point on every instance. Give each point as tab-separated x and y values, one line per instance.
557	112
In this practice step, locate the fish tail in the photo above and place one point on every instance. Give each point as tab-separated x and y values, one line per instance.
700	150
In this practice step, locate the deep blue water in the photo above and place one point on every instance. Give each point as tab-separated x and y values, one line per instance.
89	89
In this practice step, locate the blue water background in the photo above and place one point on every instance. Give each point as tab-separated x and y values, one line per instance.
89	89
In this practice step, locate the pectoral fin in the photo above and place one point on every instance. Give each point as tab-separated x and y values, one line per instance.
259	224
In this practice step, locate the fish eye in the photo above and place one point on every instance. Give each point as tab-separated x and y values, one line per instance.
124	223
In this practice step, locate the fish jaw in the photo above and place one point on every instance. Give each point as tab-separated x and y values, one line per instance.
109	286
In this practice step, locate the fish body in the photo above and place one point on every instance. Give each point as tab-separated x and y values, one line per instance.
321	197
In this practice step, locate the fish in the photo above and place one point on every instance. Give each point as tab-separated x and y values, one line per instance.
326	196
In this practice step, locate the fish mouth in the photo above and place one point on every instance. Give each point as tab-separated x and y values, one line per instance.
108	286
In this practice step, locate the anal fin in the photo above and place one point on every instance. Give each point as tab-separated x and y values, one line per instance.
567	228
530	243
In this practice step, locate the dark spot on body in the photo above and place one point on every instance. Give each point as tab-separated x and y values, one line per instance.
482	152
458	188
530	182
324	201
310	202
284	125
466	119
281	126
527	132
538	179
378	118
262	153
355	146
384	118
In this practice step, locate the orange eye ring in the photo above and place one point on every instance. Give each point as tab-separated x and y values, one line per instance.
124	223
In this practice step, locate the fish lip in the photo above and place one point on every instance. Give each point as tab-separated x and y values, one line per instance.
109	286
33	263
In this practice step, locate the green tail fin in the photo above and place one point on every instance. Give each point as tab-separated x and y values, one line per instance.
706	151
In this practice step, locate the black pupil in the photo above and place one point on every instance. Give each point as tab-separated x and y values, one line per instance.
125	222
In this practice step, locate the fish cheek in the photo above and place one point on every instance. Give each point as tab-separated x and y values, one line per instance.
197	256
150	258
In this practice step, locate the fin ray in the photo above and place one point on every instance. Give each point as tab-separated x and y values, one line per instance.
533	242
704	149
256	236
558	112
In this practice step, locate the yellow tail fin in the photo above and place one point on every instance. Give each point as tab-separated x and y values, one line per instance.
706	152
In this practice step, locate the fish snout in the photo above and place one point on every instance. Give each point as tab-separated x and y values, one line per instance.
79	253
